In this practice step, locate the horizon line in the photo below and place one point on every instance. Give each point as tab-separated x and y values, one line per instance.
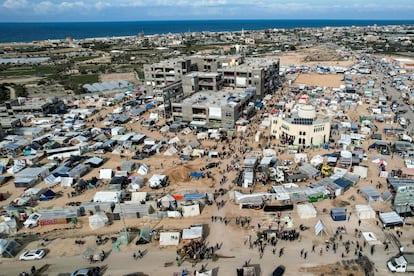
184	20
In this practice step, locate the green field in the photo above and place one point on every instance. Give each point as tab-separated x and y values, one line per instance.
28	71
84	79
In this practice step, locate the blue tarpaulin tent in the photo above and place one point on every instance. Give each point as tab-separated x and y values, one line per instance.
338	214
194	196
48	195
196	174
149	106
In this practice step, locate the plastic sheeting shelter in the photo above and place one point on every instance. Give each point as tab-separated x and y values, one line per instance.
105	173
98	220
320	228
144	236
391	220
47	195
338	214
169	238
191	210
364	211
9	248
371	194
8	226
306	211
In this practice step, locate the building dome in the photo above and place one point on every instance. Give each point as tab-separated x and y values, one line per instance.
307	112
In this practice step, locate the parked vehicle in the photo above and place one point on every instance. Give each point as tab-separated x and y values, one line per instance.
402	263
279	271
82	272
31	255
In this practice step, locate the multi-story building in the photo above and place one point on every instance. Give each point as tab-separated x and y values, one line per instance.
202	81
212	63
302	128
205	109
260	73
33	106
165	72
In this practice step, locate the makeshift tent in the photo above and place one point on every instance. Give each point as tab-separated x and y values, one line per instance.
105	174
8	225
169	238
191	210
306	211
320	228
98	220
138	196
194	233
66	182
196	175
108	196
338	214
144	236
143	169
9	248
47	195
364	211
157	180
136	184
370	194
370	238
391	220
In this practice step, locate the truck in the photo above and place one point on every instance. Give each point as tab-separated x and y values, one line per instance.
402	263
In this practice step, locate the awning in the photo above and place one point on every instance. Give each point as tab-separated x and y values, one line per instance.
198	123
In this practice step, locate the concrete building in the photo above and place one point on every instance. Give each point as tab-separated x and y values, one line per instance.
212	63
32	106
260	73
202	81
165	72
205	109
302	128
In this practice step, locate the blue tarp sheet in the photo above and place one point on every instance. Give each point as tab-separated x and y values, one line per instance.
194	196
196	174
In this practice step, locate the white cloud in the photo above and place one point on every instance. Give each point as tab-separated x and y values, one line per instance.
15	4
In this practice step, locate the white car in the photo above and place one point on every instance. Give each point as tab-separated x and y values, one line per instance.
30	255
32	220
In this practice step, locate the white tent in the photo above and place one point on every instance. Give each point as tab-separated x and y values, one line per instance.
361	171
269	153
170	151
316	160
301	158
306	211
8	226
173	214
191	210
66	182
157	180
320	228
364	211
105	173
169	238
138	196
143	169
187	150
174	140
98	220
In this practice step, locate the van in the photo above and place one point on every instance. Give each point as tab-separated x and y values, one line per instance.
403	122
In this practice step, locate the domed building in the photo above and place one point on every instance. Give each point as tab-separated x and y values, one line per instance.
302	128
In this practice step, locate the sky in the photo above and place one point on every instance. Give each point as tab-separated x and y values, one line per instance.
137	10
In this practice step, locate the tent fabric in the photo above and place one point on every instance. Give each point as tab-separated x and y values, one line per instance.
48	195
371	194
144	235
191	210
169	238
99	220
364	211
320	228
338	214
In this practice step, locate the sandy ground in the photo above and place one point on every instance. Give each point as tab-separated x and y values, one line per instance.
321	80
